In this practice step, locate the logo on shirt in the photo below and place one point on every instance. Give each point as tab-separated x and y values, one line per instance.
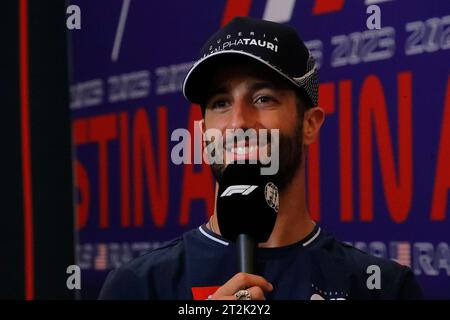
319	294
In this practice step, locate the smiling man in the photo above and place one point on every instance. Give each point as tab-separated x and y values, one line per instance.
258	75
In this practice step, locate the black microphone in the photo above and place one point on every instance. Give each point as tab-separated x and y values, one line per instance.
247	207
246	247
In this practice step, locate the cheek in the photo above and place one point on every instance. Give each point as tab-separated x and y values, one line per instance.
291	120
214	126
284	119
215	121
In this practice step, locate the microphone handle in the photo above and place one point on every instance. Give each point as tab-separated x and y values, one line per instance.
246	248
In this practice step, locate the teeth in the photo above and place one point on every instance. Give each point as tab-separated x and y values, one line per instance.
242	150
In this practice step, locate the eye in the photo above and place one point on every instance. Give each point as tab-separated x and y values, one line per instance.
218	104
264	99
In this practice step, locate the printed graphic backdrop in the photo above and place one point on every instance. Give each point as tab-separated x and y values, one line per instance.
379	177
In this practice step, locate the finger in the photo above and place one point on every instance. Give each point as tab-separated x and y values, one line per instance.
241	281
217	297
256	293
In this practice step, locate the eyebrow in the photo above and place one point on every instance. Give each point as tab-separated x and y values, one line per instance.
264	85
255	86
216	90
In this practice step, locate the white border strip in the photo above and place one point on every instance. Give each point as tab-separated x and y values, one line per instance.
312	239
226	243
211	237
119	31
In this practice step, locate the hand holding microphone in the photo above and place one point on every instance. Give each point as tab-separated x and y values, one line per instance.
255	285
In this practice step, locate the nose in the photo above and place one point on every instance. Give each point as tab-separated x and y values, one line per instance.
243	115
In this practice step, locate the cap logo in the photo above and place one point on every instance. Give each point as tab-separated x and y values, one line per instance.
226	43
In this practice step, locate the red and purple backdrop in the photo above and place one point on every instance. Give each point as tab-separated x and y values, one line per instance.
378	177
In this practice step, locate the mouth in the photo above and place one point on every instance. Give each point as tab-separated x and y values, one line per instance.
245	151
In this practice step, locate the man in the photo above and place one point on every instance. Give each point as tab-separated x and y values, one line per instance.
255	74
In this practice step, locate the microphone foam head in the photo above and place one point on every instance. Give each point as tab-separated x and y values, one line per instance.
247	202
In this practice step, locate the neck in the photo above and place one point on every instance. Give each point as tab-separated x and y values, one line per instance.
293	222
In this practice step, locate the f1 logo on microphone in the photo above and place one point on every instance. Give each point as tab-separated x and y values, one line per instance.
240	189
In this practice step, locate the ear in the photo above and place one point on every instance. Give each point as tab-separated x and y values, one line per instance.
312	122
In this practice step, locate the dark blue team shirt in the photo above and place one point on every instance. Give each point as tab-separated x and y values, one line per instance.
318	267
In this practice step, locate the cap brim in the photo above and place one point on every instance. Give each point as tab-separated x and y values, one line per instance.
201	72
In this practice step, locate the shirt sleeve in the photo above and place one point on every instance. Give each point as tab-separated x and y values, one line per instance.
409	287
123	284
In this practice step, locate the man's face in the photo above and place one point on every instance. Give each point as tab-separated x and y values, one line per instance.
247	96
